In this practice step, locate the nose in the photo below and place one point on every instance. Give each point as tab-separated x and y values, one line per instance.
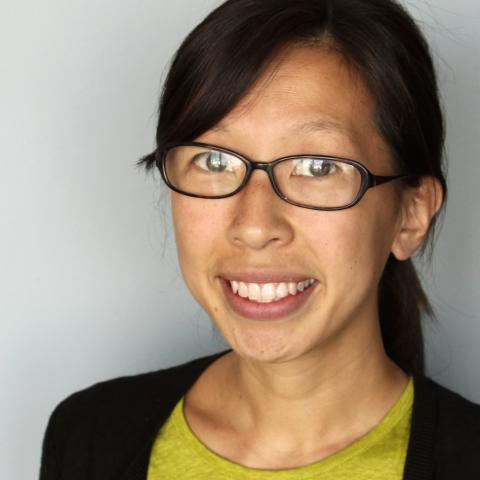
259	219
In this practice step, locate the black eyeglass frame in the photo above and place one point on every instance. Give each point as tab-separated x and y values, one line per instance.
368	179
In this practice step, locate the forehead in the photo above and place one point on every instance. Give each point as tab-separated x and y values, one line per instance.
304	81
308	97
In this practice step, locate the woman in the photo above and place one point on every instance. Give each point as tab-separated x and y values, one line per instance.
304	267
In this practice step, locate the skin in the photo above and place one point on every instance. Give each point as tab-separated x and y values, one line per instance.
298	389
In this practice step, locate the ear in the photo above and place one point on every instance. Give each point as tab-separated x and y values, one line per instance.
419	205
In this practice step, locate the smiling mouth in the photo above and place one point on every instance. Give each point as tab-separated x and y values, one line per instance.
269	292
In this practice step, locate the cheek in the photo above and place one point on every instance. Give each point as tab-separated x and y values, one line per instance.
197	224
351	249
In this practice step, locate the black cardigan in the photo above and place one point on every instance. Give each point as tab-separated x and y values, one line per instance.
106	431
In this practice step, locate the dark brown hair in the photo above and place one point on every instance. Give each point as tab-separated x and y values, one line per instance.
221	59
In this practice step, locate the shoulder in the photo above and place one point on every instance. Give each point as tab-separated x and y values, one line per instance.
135	390
459	421
455	423
452	407
113	417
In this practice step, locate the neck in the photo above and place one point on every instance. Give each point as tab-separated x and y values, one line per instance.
336	395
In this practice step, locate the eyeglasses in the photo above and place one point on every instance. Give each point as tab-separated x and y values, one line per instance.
317	182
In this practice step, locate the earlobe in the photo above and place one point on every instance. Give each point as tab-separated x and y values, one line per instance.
420	204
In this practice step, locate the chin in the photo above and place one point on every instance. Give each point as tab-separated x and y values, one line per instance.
265	347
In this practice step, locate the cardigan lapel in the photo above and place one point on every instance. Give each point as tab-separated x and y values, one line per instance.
179	382
419	464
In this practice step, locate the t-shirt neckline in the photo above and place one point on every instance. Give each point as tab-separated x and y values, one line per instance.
402	407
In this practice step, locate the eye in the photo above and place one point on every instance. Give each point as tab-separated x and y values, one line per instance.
215	161
314	167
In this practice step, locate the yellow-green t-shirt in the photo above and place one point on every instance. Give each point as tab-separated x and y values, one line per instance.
379	455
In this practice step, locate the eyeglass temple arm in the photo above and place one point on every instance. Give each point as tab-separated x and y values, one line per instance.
379	179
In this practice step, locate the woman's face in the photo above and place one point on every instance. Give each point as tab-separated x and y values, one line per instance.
257	238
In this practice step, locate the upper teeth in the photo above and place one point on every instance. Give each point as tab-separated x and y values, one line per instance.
268	292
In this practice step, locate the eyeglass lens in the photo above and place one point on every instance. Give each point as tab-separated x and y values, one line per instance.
313	181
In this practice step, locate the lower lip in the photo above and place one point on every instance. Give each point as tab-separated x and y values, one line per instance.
265	311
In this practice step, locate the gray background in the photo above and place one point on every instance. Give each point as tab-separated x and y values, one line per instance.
89	282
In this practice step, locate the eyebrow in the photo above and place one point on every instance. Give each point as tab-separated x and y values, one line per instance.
323	125
314	126
309	127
